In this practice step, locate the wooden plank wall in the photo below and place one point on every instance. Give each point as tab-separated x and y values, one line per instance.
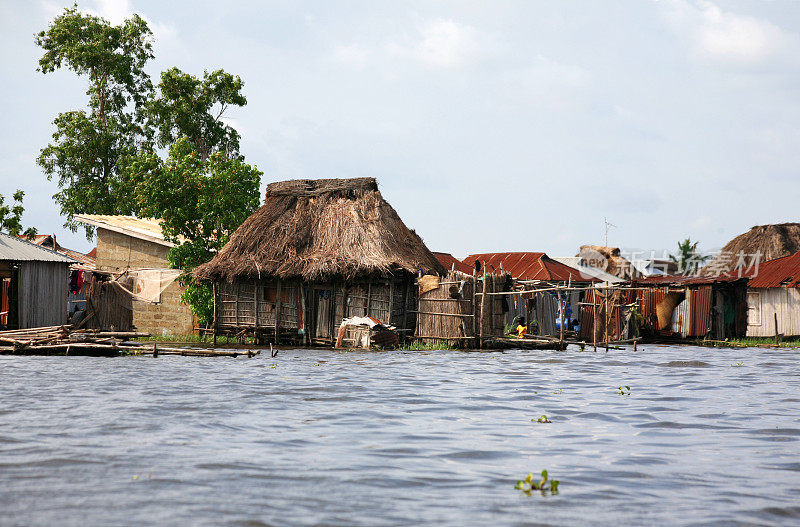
43	290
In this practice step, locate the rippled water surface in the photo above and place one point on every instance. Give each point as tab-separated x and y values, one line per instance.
399	438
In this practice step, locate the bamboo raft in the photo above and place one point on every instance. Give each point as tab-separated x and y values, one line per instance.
63	340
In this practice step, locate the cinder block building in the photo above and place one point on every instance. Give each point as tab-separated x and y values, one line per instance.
127	243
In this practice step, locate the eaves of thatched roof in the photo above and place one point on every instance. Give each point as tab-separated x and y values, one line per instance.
762	243
317	229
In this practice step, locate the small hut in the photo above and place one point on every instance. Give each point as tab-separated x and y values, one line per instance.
773	298
316	252
34	284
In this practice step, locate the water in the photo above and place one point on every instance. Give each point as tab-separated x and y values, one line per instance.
402	438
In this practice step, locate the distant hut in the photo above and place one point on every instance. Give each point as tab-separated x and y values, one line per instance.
315	252
34	284
773	297
608	259
761	243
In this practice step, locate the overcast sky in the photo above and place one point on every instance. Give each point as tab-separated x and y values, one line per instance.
490	126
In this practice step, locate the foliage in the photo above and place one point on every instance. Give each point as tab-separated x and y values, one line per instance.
88	148
687	258
528	484
542	419
192	108
11	216
200	202
624	390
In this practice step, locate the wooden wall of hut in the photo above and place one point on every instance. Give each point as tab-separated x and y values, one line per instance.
42	294
455	313
311	313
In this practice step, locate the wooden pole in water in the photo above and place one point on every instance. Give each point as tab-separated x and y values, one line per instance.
776	328
594	319
483	309
560	320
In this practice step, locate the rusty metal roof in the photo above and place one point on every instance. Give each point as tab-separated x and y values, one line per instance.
780	272
449	261
529	266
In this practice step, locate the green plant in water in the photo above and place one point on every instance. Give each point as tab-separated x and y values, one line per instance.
624	390
542	419
273	365
528	484
738	364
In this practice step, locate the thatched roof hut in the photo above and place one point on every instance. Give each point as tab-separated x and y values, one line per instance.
608	259
317	229
766	241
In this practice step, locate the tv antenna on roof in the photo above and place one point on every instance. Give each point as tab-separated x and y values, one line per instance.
608	224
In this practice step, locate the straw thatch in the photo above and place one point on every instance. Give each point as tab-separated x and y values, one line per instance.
317	229
608	259
767	241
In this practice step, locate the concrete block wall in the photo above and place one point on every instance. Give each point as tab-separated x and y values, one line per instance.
117	252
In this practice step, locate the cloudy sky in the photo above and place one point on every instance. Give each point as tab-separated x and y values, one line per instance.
491	126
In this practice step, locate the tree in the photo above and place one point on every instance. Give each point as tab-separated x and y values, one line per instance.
193	108
201	202
11	216
687	258
88	147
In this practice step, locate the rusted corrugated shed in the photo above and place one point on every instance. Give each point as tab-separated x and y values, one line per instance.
780	272
528	266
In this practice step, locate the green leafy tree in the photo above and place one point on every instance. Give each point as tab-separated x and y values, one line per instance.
201	202
193	108
11	216
688	259
89	146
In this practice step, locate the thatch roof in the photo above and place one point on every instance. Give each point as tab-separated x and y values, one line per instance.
315	229
608	259
768	241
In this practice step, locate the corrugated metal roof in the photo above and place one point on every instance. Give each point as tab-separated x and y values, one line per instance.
16	250
780	272
529	266
48	241
449	262
143	228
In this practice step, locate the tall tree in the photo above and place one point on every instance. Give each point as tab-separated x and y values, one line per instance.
11	216
689	260
88	146
193	108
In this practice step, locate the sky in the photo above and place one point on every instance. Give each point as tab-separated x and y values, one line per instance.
490	126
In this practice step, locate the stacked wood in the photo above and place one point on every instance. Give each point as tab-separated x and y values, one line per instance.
55	340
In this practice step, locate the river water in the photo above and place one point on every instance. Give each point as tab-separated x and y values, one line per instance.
399	438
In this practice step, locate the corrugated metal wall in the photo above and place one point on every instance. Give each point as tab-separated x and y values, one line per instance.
43	290
763	304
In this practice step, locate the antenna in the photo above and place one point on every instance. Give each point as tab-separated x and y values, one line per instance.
608	224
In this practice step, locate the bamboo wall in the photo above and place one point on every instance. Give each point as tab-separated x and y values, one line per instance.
42	294
452	312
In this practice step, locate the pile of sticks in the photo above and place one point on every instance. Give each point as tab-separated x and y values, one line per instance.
58	340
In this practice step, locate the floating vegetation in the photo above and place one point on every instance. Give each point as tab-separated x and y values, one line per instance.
316	364
528	484
273	365
738	364
542	419
624	390
559	391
